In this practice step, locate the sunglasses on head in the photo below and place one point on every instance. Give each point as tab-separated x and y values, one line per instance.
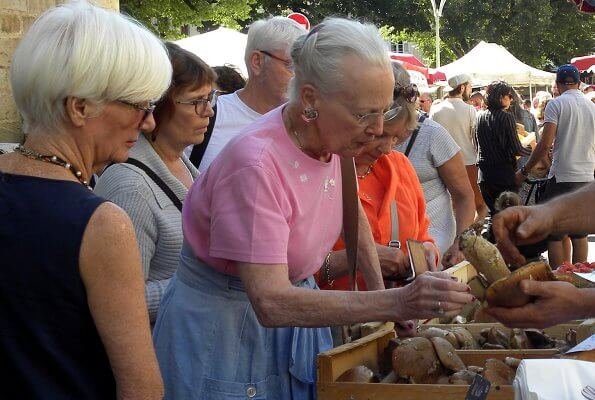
408	92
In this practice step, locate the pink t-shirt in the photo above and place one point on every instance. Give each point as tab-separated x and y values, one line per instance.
264	201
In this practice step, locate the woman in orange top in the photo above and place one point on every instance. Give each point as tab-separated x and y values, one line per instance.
385	175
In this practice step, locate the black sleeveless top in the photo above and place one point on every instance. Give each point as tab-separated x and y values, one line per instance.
49	345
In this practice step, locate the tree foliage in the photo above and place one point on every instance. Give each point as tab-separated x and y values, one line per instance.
538	32
166	17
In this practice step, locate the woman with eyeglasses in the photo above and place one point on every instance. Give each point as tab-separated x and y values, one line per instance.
498	144
74	323
152	184
387	180
243	316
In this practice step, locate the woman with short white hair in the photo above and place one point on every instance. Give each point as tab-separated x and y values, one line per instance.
243	315
74	322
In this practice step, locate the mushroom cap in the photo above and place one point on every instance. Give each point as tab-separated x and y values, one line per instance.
447	354
506	292
438	332
465	338
519	339
416	360
360	374
496	336
539	339
464	377
498	373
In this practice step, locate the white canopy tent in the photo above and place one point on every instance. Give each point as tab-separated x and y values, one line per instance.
487	62
218	47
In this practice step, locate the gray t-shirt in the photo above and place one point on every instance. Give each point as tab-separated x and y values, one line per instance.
431	149
574	146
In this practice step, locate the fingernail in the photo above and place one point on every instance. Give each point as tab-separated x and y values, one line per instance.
468	289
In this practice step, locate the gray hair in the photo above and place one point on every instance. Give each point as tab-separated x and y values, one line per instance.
79	50
273	34
318	57
408	112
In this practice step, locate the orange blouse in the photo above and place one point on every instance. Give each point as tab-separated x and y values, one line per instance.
392	177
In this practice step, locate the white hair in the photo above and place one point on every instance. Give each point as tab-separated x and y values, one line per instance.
273	34
83	51
318	58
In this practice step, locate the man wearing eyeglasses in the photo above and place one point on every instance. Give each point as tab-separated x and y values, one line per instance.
269	72
458	118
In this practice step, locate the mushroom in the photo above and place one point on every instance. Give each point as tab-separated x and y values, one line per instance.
416	360
496	336
498	373
490	346
512	362
484	256
438	332
465	338
359	374
519	340
506	292
447	354
464	377
475	368
539	339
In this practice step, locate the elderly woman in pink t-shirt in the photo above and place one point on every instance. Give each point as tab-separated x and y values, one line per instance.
242	315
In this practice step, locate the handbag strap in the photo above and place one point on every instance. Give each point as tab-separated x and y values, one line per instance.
350	216
151	174
394	226
420	121
198	150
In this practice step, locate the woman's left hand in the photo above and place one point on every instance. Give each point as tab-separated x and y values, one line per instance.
432	256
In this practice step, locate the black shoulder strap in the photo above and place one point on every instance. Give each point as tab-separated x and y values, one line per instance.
420	121
166	189
198	150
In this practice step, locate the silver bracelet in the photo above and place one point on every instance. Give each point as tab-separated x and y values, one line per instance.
326	266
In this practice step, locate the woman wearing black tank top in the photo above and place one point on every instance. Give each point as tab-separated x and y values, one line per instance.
74	323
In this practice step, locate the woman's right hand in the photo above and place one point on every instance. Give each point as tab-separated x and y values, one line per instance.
393	262
432	295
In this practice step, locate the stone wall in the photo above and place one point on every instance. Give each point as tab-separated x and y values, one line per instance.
15	18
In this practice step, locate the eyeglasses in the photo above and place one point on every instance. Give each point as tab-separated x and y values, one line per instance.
409	92
147	109
371	118
288	64
211	99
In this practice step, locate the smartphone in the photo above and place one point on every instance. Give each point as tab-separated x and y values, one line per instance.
417	258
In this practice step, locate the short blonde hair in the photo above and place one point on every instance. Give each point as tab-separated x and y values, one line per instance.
80	50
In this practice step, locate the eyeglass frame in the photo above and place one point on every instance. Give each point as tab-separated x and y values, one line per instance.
409	93
211	99
147	110
288	63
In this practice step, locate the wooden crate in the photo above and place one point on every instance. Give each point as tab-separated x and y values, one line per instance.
368	350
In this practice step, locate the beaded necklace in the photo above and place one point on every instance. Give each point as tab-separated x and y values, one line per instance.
367	172
53	160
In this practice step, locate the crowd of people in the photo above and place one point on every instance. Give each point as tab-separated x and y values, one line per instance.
170	229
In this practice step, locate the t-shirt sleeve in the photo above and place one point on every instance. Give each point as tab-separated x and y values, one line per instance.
442	146
250	218
552	111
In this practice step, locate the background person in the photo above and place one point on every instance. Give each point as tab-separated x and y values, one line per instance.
458	118
569	214
74	322
229	80
570	127
269	71
181	118
243	294
385	176
425	103
498	144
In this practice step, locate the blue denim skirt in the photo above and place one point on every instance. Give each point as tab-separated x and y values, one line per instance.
210	345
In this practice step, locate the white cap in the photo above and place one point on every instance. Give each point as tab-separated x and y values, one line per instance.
457	80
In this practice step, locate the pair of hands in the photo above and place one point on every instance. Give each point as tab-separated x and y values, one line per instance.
395	263
554	302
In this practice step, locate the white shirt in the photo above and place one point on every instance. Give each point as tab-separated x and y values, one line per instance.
458	118
232	116
574	146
